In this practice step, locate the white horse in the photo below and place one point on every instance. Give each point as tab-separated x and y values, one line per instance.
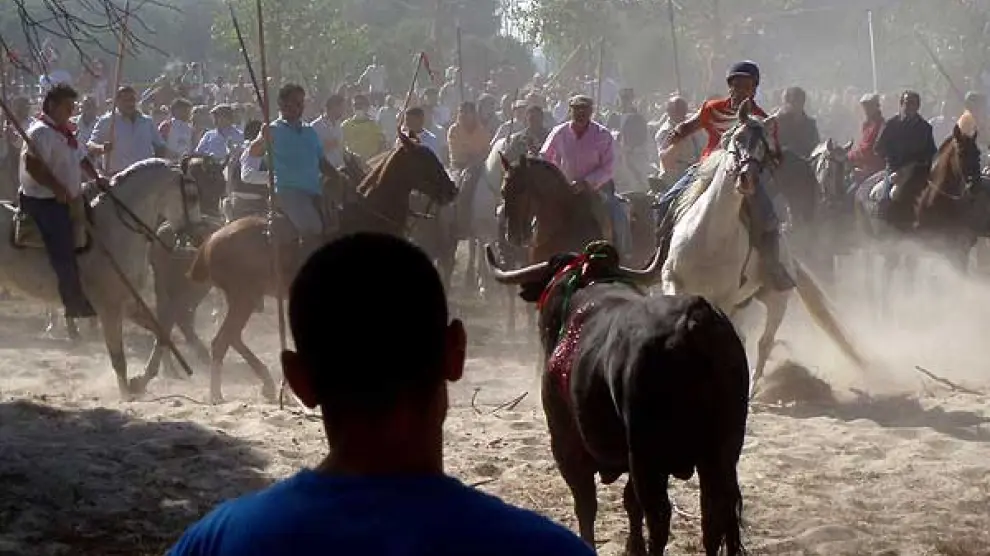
710	251
151	189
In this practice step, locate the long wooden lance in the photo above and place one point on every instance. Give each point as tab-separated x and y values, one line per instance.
601	72
98	241
118	74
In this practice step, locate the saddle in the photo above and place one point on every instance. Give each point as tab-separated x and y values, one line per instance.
25	234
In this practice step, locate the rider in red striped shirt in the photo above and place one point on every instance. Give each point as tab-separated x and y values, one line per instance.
717	117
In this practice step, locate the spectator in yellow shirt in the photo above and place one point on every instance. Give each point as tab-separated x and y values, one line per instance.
362	134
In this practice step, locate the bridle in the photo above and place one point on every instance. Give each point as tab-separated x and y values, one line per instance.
132	222
743	157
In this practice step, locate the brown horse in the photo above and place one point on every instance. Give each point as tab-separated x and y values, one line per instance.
945	211
565	222
230	259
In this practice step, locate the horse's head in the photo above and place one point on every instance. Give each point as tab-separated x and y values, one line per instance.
967	157
518	192
414	161
206	174
748	148
831	168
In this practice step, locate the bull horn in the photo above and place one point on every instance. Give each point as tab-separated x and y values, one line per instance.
649	275
512	277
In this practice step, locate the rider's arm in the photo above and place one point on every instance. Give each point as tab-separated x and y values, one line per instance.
605	170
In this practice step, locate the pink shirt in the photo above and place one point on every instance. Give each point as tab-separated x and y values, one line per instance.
589	158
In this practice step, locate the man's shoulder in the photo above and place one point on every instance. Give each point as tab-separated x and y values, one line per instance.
719	104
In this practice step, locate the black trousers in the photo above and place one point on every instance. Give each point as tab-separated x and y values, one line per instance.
55	224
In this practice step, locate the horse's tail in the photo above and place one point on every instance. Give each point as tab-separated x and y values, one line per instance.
815	300
199	271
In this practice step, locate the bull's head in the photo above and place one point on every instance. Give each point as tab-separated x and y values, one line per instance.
551	283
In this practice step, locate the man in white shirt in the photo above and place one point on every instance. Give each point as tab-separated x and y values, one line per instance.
51	174
676	158
328	129
133	138
177	130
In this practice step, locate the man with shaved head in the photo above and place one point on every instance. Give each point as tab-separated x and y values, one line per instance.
676	158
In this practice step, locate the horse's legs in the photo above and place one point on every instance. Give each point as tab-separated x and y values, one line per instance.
240	306
112	320
776	304
186	321
259	368
511	307
635	542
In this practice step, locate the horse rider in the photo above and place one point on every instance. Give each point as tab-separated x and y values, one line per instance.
177	131
973	121
797	132
362	134
512	122
530	139
51	175
717	117
135	136
864	159
468	142
583	150
677	157
219	141
415	126
906	144
328	128
297	155
247	178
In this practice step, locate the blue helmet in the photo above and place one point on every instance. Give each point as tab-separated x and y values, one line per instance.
744	69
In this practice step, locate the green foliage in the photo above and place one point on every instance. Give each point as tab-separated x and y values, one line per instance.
821	44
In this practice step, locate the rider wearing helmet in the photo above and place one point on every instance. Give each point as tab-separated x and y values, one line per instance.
717	117
797	131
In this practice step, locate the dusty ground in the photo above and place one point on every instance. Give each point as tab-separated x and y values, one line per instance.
903	469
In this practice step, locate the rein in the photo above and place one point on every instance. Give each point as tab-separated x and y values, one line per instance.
138	226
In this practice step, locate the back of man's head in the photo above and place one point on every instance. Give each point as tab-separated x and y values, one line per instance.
369	318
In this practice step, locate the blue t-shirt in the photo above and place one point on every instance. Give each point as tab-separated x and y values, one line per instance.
296	153
311	514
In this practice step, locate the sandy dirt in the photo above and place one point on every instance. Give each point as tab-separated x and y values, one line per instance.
836	461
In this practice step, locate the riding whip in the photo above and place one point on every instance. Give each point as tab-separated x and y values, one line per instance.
98	241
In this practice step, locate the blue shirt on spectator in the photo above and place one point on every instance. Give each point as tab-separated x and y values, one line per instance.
217	142
296	155
313	513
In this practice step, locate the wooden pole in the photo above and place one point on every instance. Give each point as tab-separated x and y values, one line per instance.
98	241
873	51
269	158
601	72
409	93
118	74
460	64
673	40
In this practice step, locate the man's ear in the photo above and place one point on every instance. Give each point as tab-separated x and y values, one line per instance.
300	378
455	352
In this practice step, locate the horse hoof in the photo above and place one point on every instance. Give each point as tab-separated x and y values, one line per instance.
268	392
138	386
635	548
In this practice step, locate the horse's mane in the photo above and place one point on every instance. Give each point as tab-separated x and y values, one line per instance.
548	166
141	166
702	181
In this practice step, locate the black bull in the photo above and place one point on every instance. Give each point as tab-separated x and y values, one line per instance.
650	386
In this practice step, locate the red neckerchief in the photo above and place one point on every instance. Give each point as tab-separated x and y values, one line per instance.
68	130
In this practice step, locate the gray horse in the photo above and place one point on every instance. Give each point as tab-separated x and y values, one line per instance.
152	190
